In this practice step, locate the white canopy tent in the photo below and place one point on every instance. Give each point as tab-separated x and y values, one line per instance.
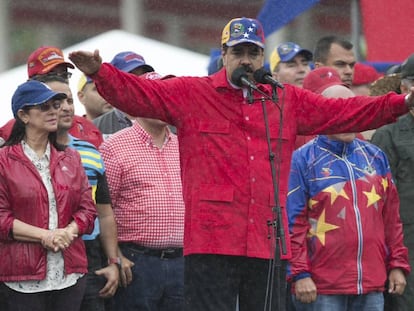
165	58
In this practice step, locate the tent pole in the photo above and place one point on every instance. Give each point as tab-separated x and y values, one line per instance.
356	29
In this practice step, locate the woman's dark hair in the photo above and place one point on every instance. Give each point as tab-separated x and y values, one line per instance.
18	132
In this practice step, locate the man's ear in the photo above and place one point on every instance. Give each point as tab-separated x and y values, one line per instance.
223	56
81	96
318	64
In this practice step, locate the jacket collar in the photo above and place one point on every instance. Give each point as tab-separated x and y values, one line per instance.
338	147
219	80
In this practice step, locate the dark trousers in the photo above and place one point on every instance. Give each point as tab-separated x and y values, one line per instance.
67	299
213	282
157	281
404	302
94	283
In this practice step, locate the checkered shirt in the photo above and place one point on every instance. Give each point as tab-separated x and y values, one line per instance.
145	186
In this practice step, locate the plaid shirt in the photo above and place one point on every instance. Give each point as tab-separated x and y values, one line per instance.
145	186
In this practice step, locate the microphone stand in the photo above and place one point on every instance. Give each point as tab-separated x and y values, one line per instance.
250	95
278	266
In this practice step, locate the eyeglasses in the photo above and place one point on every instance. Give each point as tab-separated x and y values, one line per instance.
45	106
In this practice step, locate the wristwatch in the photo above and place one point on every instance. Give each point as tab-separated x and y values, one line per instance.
116	260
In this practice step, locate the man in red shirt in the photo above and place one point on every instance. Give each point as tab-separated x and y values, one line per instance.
229	193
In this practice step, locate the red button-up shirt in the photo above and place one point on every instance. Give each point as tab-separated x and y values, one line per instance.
226	175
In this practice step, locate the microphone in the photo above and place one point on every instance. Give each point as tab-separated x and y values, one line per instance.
239	78
265	77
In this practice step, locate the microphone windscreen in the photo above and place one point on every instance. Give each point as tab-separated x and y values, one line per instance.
237	76
260	75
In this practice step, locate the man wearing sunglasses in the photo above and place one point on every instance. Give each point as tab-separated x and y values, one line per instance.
49	61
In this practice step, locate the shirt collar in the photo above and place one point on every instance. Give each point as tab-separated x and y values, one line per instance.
145	137
32	154
336	146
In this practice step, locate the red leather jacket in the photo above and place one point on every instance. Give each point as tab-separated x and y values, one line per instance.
24	197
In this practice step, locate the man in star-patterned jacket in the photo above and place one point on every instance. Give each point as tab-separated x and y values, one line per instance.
346	232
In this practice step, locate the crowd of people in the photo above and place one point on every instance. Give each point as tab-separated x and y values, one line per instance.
246	189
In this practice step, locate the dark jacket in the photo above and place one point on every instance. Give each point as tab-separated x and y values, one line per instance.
397	141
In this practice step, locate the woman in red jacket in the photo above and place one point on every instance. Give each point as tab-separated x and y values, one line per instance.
45	206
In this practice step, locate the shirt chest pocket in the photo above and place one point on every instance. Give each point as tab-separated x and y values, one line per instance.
215	138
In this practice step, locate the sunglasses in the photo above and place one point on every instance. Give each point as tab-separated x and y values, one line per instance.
65	75
45	106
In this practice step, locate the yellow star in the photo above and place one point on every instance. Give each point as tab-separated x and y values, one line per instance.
384	183
336	191
321	228
372	196
311	203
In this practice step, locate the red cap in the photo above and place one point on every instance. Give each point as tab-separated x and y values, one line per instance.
44	59
321	78
364	74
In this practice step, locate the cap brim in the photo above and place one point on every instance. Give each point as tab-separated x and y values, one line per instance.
132	66
62	63
49	68
45	97
240	41
306	53
69	65
167	77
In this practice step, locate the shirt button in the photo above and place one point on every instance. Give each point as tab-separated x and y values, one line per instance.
252	201
253	179
252	158
248	138
251	220
247	118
